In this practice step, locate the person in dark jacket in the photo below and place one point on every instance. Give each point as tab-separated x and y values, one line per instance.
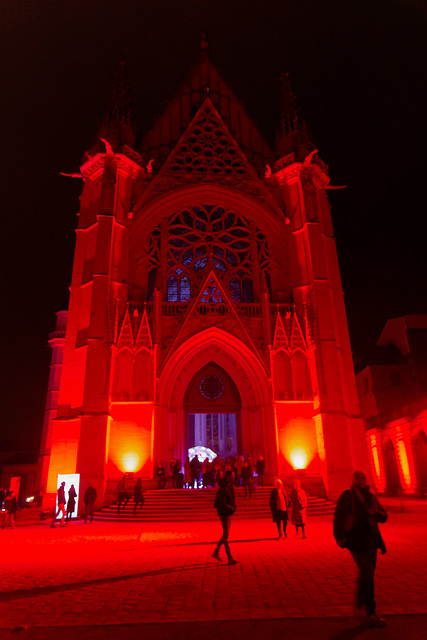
279	505
161	476
195	467
61	506
247	478
176	469
260	469
10	507
71	504
356	519
138	496
40	496
123	496
89	500
225	504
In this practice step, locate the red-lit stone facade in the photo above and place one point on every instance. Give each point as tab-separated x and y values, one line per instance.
392	386
205	284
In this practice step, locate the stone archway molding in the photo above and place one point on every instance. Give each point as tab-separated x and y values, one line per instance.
224	349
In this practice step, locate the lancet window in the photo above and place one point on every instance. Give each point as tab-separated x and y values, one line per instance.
187	245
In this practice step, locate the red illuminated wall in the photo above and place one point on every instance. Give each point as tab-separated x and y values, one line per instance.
190	255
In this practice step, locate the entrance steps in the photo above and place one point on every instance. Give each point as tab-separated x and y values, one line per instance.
197	504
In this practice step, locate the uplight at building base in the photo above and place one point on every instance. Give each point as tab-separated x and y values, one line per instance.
298	457
130	462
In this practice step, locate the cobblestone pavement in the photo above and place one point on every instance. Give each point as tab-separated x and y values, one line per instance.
109	574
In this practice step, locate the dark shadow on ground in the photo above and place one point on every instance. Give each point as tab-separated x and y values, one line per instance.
20	594
352	632
194	543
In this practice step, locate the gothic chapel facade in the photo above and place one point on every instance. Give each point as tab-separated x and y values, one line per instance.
206	305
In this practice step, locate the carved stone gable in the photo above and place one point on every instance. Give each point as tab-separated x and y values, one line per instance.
207	152
211	307
143	338
126	334
297	336
281	340
288	334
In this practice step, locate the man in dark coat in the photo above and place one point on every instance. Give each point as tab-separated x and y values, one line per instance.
138	496
10	507
356	519
195	471
279	506
89	500
247	472
161	476
260	469
225	504
123	496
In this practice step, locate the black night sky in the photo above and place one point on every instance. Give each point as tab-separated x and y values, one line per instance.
359	73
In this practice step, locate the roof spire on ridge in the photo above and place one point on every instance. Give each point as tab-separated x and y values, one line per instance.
204	45
118	121
288	110
293	135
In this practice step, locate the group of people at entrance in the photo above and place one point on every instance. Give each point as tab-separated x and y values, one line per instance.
209	473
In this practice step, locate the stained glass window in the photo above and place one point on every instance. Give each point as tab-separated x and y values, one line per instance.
203	238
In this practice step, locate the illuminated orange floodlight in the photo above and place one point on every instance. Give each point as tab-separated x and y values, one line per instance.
130	462
298	458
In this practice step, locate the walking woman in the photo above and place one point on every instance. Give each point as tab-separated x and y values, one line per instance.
298	500
279	505
225	504
71	504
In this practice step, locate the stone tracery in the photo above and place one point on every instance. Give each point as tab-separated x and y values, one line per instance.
207	237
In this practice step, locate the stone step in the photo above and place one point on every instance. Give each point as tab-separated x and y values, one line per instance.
197	504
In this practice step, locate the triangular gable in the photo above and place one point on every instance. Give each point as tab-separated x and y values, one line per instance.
143	338
207	152
280	337
126	333
212	293
204	80
297	336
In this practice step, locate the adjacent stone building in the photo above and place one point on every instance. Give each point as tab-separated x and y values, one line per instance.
392	387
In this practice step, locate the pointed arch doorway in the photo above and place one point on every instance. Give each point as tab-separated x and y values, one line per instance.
212	412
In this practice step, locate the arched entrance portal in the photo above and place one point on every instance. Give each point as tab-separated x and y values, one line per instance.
212	412
247	395
392	470
420	451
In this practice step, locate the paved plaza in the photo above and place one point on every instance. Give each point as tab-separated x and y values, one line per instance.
87	579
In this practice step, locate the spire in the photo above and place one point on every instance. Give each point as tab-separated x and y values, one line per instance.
293	135
204	45
118	122
288	110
